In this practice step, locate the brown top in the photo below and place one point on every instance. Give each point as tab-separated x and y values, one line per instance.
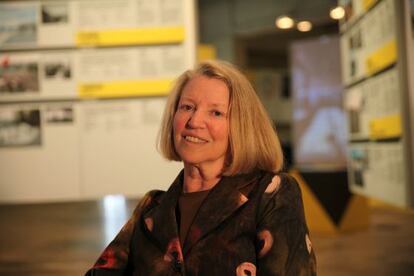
188	205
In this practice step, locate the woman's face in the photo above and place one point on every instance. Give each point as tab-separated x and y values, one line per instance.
201	124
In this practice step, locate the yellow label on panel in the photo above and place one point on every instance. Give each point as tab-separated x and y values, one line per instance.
382	57
367	4
385	127
162	35
119	89
205	52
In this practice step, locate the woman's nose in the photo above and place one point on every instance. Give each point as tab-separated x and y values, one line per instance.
196	120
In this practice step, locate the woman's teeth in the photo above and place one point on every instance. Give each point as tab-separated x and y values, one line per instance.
194	139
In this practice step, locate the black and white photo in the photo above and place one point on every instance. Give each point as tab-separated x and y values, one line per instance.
20	128
54	13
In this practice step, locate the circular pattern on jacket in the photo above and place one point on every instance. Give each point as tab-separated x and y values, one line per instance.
274	185
265	241
246	269
173	252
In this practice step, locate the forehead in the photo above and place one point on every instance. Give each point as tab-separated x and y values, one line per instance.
206	89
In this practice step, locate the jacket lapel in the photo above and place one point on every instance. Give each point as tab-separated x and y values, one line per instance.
223	200
161	221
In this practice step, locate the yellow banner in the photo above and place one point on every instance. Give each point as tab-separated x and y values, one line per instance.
121	89
382	57
386	127
162	35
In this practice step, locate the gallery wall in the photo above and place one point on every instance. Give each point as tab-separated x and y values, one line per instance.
83	85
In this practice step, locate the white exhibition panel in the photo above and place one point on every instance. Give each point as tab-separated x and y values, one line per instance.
55	142
82	150
56	23
118	148
376	54
377	170
39	161
27	76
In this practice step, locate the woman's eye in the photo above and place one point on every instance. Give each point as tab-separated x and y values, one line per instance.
186	107
217	113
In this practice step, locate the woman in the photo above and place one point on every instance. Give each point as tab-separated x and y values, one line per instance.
230	211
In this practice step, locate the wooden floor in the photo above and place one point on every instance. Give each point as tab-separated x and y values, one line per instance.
66	238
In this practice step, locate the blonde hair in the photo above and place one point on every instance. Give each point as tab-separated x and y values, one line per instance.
253	143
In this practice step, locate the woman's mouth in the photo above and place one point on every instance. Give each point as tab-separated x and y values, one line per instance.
194	139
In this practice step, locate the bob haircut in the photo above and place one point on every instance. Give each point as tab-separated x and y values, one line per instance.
253	143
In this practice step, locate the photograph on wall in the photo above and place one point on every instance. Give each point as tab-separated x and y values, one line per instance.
20	127
58	114
353	104
58	69
56	27
57	74
18	24
18	76
54	13
359	163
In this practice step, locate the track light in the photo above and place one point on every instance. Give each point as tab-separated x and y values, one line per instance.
337	13
284	22
304	26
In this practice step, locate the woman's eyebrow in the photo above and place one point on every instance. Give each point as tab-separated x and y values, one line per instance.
186	99
221	105
209	104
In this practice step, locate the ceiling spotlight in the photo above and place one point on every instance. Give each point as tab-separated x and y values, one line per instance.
304	26
284	22
337	13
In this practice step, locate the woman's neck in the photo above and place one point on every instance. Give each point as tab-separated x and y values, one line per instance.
200	178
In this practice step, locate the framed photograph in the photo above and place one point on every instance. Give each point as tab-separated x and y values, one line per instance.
18	24
59	114
20	128
18	76
57	69
54	13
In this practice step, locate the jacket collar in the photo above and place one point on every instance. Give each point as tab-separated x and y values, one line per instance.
161	220
228	195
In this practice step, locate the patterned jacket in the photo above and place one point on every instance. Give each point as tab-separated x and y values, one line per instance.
251	224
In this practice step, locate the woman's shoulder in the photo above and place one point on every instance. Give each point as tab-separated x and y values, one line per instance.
279	182
151	198
282	189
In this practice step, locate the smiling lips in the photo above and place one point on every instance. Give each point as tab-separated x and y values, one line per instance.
195	139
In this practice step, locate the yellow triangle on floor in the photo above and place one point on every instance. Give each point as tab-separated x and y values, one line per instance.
318	220
356	216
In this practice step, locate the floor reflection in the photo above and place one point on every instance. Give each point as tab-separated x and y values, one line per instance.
115	214
67	238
